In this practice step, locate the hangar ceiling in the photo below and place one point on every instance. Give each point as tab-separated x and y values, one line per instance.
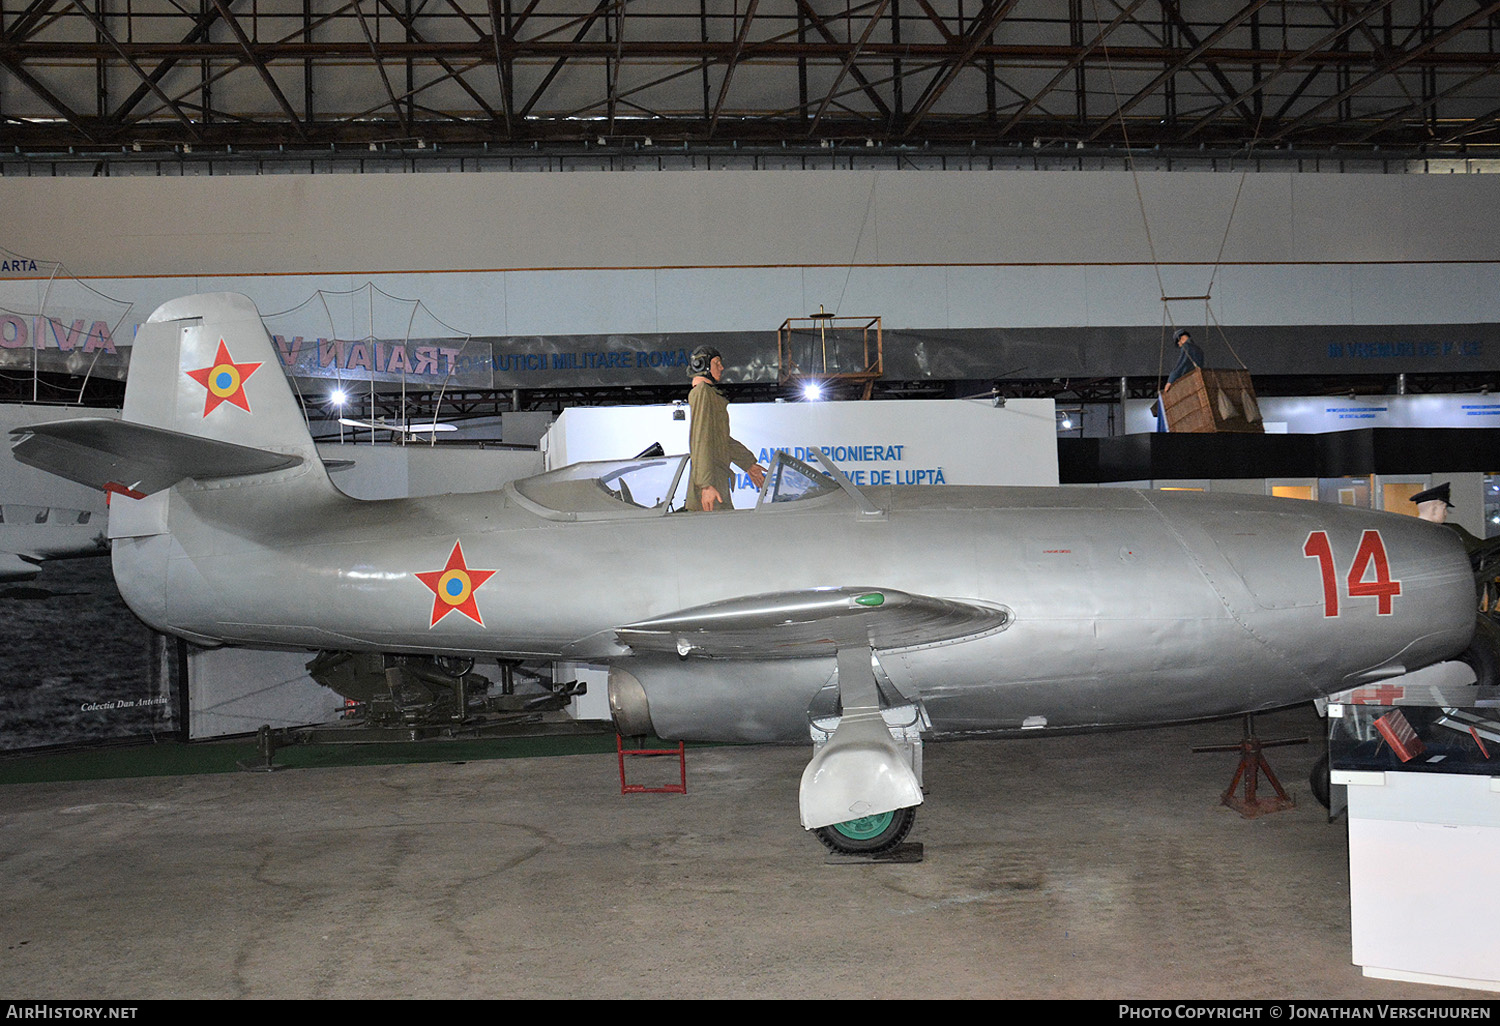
94	86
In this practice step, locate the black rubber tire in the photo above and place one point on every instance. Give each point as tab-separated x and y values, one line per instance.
454	666
861	841
1318	779
1483	653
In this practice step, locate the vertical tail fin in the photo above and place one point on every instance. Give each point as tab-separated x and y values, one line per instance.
204	365
205	398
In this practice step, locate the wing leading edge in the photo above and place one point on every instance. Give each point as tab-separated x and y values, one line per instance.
812	622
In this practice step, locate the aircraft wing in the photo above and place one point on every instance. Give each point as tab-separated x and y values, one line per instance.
98	452
812	622
15	567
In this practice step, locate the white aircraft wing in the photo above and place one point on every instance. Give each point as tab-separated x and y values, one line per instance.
98	452
812	622
14	567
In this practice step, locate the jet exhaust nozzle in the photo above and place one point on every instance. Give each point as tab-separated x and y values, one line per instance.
628	705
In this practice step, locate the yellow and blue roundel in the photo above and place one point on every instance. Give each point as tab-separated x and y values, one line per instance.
225	381
453	587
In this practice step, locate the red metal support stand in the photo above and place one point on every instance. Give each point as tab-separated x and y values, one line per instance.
680	751
1252	764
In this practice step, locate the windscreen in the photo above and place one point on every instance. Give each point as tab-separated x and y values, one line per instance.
791	480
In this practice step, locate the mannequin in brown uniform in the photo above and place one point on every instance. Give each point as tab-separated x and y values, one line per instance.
709	445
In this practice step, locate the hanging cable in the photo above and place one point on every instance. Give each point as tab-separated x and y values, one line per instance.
849	273
1140	198
1209	317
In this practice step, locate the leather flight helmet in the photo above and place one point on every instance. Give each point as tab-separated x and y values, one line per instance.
701	361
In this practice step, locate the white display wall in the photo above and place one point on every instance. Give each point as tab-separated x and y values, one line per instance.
587	253
1310	415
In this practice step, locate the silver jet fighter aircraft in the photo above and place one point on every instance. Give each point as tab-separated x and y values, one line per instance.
870	618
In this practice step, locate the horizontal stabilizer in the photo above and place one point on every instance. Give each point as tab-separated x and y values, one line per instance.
98	452
813	621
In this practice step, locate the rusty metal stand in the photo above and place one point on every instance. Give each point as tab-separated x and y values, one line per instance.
1252	764
680	751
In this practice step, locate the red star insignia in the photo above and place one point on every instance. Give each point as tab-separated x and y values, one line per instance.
225	381
453	587
1381	694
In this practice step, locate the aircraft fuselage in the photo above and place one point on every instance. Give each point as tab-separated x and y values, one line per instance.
1126	606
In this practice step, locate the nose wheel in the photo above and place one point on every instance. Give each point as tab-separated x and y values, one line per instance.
859	766
868	835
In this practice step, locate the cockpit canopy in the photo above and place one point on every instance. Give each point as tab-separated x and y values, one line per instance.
603	489
640	488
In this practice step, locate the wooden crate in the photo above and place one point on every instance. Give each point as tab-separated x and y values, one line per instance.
1213	400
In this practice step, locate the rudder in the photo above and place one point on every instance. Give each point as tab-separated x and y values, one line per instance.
204	365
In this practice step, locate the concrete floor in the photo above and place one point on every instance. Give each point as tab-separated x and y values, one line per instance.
1076	867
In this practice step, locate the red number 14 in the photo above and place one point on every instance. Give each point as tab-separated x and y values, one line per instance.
1371	552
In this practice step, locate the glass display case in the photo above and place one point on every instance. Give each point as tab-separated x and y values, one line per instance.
1422	767
1431	728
